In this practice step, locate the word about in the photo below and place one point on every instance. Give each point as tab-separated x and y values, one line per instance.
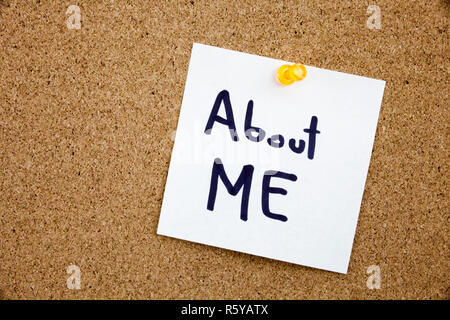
256	134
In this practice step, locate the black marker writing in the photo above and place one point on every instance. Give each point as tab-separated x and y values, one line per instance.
254	134
257	134
244	180
224	97
267	189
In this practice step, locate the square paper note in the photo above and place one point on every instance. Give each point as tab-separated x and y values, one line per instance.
275	171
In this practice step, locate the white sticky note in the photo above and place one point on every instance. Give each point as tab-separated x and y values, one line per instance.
303	197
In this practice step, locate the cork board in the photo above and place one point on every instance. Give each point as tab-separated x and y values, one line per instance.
87	119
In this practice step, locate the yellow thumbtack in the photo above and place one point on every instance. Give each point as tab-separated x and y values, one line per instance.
287	74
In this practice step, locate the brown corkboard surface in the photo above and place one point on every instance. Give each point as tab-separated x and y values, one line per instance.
86	119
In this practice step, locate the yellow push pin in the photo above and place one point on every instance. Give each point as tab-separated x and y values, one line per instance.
287	74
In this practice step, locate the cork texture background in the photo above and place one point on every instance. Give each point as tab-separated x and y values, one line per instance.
87	116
